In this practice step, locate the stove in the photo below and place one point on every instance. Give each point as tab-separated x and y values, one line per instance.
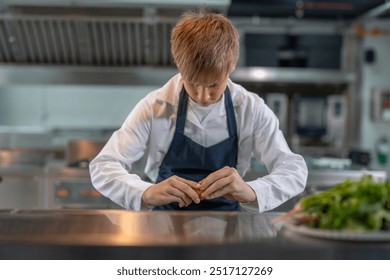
70	187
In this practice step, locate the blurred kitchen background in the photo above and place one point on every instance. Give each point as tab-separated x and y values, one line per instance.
71	71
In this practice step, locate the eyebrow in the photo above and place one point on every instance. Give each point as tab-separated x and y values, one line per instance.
209	85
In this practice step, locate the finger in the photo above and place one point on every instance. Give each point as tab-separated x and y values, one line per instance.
216	186
179	197
219	193
215	176
194	185
199	193
187	190
173	198
190	183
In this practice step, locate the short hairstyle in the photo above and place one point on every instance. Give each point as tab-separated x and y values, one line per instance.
204	46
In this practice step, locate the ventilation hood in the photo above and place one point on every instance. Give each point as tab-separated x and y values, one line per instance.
121	33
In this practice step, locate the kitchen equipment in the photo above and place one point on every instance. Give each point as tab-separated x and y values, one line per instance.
310	115
71	188
320	120
328	163
21	188
22	157
360	157
382	150
278	102
79	152
91	33
21	177
336	116
380	105
68	182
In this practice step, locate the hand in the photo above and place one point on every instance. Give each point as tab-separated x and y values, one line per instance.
173	189
228	183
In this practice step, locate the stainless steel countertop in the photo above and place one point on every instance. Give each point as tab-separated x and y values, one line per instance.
121	234
130	228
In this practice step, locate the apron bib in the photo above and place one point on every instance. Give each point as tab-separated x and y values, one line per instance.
187	159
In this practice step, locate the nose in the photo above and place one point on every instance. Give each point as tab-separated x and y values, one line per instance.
203	94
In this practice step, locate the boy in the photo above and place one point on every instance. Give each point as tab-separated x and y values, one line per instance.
201	130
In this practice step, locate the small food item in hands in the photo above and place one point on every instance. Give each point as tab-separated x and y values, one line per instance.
199	192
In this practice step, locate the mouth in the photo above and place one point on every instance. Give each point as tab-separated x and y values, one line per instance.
205	104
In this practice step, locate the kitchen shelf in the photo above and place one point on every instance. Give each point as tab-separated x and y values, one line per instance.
58	75
292	75
12	75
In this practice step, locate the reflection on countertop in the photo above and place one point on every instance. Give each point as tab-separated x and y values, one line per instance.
120	227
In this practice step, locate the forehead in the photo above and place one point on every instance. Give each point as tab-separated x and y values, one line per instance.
208	81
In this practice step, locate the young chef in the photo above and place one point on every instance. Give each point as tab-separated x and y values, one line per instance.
201	131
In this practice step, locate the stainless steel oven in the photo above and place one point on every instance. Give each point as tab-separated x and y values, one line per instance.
71	188
68	183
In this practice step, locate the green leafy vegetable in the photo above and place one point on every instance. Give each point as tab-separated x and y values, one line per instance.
351	205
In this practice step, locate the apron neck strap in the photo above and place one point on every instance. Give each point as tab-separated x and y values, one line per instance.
230	116
182	112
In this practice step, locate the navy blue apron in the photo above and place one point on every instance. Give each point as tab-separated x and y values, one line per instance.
187	159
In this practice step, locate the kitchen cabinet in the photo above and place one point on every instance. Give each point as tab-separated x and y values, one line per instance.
21	190
21	178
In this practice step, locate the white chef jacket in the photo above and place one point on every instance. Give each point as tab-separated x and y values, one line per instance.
151	126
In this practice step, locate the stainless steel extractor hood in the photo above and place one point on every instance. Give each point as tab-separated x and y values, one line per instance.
116	33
